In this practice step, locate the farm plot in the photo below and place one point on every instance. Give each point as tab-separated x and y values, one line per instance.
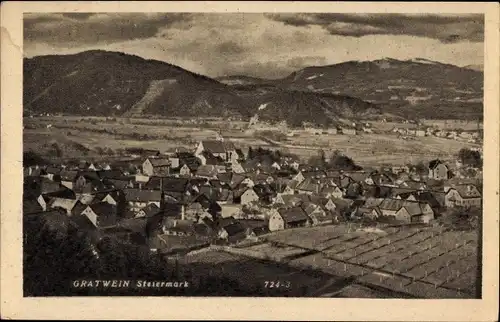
336	268
276	251
310	238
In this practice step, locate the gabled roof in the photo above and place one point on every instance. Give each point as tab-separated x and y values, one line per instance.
314	174
391	204
142	195
465	192
295	199
151	210
206	171
234	228
210	192
434	163
413	208
169	184
68	175
78	208
118	183
294	214
309	207
67	204
53	170
90	175
103	209
225	177
292	184
110	174
214	146
211	159
310	184
63	193
358	176
372	202
159	162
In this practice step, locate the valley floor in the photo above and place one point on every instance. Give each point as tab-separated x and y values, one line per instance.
75	134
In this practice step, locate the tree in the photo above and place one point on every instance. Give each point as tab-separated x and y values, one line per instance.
56	150
31	158
250	153
342	162
421	168
470	158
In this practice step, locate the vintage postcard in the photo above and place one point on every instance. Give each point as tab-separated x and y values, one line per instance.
250	160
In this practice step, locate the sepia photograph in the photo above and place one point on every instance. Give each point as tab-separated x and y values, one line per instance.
253	154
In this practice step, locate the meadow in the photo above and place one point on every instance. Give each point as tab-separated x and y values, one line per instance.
165	135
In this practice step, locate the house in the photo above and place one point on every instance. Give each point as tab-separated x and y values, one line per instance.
207	158
113	197
316	213
109	174
331	192
421	196
101	214
137	199
400	169
309	186
288	218
438	170
207	171
119	183
78	208
34	171
233	232
365	212
185	171
465	195
406	211
218	148
419	132
291	200
156	167
35	186
45	199
348	131
51	172
299	177
68	178
247	197
66	204
314	174
148	211
414	212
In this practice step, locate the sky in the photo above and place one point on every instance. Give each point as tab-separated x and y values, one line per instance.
264	45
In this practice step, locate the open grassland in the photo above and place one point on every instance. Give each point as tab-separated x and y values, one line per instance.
168	134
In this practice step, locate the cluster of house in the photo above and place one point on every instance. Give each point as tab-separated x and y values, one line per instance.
213	193
469	136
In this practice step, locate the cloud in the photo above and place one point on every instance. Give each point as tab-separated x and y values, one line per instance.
89	28
302	61
229	48
217	44
446	28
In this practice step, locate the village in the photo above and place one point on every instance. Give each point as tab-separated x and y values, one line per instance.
220	194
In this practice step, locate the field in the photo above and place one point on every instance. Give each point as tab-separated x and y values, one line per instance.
422	261
348	260
166	135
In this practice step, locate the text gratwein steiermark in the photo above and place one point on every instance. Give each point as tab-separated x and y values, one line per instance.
129	283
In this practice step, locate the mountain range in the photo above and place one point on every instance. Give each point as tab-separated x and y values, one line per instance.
410	88
116	84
